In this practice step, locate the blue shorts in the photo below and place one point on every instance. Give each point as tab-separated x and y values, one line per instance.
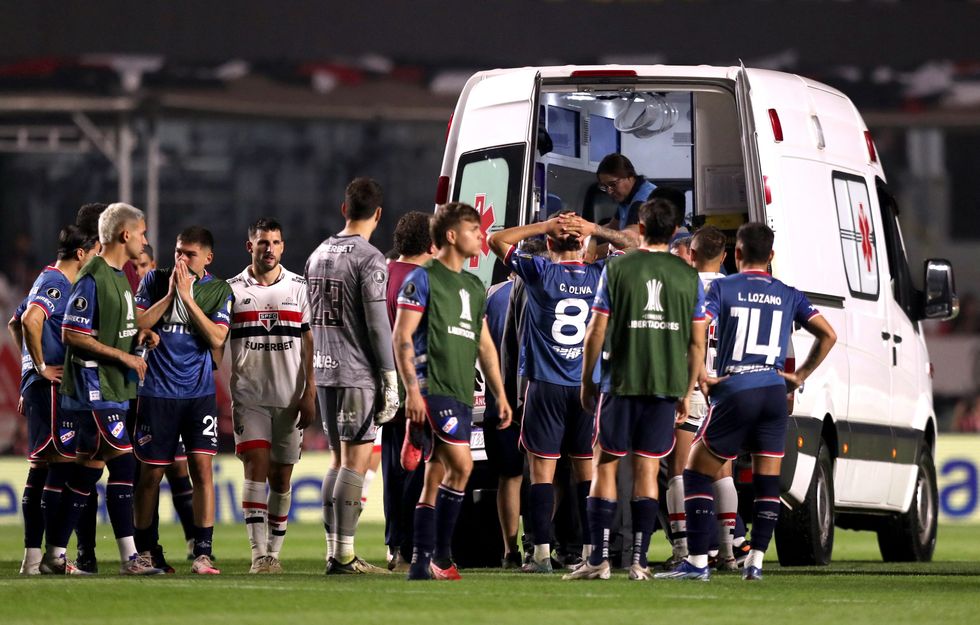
643	424
95	426
555	423
450	420
47	423
161	425
502	446
753	420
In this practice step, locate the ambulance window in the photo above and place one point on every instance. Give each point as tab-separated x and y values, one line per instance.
490	181
858	235
901	278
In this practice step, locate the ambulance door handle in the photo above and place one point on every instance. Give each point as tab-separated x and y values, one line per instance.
885	336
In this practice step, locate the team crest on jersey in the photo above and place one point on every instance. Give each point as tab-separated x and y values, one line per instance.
654	288
117	429
268	319
464	302
80	304
54	293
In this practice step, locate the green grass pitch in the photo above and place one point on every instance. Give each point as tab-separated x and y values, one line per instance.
857	588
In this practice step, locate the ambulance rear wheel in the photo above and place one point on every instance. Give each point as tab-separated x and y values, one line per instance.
805	534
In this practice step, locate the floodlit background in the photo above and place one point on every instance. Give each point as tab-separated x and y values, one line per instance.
215	113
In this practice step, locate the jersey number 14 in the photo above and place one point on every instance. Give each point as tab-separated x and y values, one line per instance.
747	334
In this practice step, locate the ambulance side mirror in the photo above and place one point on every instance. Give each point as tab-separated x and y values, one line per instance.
940	300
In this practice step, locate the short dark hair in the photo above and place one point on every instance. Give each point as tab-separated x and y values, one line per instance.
449	216
264	223
676	199
657	217
565	243
709	242
616	164
87	217
679	242
196	235
72	238
148	250
755	239
534	247
362	197
412	234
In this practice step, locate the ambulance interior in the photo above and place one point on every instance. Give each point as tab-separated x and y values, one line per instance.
685	139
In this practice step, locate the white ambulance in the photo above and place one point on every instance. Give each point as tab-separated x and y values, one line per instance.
746	144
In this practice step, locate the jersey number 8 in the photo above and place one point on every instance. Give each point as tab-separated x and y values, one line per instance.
575	321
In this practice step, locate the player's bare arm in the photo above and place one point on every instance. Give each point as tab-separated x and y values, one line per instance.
826	337
307	403
406	322
214	333
490	363
695	367
15	329
32	328
90	344
622	239
501	242
595	335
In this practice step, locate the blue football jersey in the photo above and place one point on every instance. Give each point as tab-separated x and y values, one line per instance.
754	313
559	298
498	297
181	366
414	296
50	293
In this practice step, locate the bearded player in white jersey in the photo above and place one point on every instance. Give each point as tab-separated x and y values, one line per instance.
272	388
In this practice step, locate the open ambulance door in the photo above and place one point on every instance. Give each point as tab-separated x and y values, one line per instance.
493	157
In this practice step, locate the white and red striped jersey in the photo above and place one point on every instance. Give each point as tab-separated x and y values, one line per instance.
267	324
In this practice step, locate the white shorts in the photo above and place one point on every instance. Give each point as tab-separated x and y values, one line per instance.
258	427
698	410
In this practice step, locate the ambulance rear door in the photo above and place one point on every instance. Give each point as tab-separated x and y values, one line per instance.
494	130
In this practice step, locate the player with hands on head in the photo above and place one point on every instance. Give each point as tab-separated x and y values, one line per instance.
559	291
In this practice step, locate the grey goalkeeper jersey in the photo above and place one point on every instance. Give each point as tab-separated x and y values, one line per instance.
347	280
